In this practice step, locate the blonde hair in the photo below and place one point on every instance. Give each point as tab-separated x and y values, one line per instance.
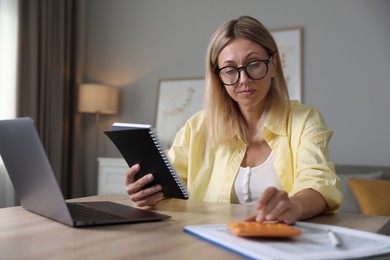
224	121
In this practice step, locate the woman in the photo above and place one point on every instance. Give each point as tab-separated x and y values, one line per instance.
251	144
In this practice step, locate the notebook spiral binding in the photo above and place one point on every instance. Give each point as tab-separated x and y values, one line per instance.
172	170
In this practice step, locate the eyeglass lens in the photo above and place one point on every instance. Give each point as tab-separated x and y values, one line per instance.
255	70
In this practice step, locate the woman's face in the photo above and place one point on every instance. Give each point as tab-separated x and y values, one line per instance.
248	93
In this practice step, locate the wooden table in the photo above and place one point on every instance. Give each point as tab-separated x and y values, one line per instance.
25	235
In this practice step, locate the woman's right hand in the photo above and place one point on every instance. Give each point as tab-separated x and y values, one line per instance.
137	193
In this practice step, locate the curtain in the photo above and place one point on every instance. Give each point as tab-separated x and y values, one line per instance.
48	76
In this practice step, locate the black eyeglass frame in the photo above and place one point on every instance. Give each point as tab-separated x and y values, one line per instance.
239	69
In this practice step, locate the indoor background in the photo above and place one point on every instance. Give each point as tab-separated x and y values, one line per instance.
131	45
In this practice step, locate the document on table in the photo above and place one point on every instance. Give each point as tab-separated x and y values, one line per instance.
314	243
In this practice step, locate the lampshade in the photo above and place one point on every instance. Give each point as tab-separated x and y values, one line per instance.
96	98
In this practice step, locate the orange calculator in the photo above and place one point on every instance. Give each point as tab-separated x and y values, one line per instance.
256	229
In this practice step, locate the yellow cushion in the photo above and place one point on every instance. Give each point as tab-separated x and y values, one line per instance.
372	195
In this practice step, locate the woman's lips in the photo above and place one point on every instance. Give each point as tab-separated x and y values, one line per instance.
246	92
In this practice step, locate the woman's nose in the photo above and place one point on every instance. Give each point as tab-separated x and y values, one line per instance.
244	78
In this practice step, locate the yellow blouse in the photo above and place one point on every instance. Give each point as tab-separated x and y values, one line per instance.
299	141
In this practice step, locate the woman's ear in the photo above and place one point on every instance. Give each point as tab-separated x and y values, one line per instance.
274	63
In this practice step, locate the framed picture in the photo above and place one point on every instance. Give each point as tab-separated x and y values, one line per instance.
178	100
289	43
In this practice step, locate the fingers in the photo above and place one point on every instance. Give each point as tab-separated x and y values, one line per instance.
135	188
275	205
288	217
130	174
253	218
147	197
267	203
132	185
282	212
268	199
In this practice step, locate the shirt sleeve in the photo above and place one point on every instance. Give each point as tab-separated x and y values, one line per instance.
313	170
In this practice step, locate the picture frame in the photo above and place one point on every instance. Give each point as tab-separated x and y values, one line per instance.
178	100
289	43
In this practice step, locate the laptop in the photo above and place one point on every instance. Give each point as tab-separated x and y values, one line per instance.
38	191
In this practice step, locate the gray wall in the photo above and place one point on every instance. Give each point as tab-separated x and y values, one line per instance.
346	65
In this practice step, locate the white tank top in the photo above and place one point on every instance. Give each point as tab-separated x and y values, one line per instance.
252	181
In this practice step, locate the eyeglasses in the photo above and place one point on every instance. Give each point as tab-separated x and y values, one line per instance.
255	70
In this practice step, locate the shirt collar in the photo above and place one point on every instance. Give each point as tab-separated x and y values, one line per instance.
276	122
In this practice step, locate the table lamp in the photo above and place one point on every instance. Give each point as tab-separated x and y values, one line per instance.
98	99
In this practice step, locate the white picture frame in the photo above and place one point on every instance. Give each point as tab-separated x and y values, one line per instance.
178	100
289	43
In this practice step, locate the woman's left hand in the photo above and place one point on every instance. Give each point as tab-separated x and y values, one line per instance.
275	205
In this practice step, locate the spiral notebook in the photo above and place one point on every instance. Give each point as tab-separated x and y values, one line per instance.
139	144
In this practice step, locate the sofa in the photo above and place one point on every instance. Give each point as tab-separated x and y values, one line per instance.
366	189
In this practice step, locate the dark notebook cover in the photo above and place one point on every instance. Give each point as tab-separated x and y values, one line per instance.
139	144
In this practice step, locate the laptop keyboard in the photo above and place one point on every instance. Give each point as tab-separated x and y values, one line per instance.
83	213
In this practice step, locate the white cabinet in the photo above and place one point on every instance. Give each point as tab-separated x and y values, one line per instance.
112	172
7	197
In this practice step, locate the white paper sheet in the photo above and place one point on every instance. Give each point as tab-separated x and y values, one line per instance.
314	242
